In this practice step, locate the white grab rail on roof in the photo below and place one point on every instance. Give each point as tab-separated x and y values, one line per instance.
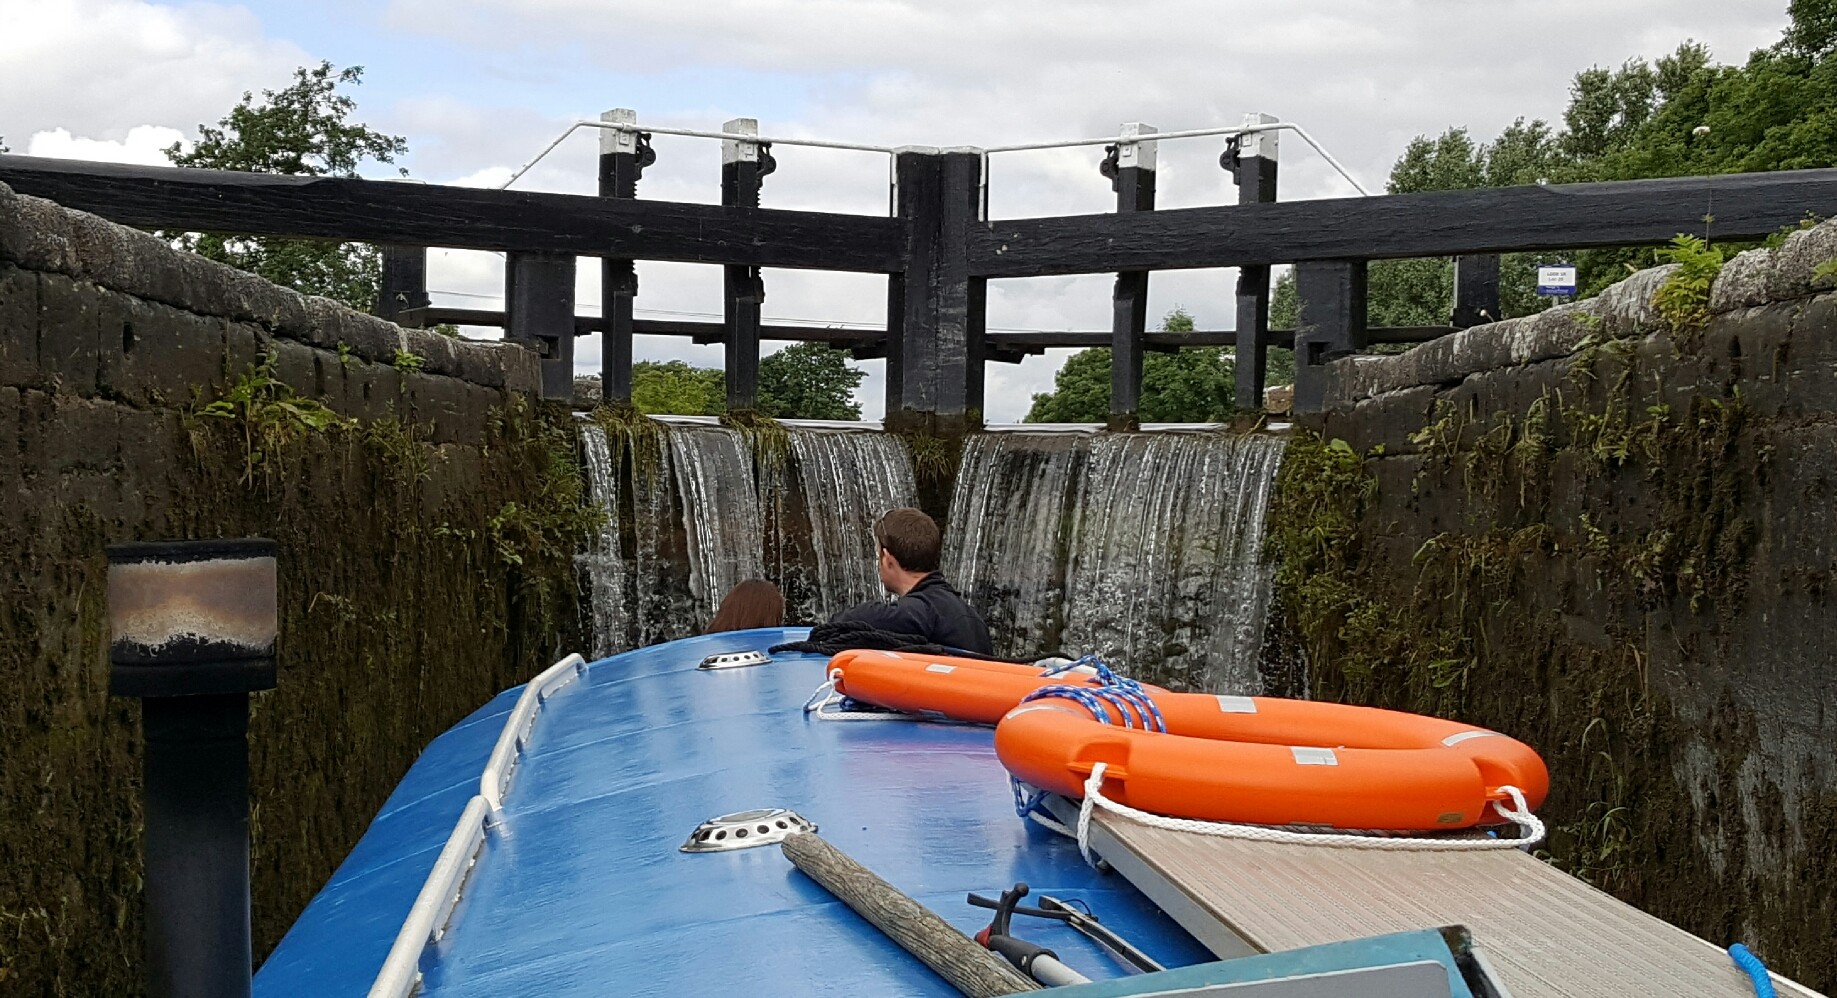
503	762
890	151
427	919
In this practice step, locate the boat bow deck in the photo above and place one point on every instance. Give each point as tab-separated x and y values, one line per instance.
1547	934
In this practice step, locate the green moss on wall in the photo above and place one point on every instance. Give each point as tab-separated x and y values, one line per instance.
417	581
1549	534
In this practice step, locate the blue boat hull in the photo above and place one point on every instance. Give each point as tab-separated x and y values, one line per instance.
582	888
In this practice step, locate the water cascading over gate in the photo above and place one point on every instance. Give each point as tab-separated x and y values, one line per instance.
1145	548
691	509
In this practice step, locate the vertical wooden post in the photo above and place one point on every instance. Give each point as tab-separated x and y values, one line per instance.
744	165
976	342
1332	324
1253	168
539	314
1130	165
403	285
621	164
929	305
1476	290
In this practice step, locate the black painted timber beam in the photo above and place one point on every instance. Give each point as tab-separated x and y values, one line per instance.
1252	160
1131	169
744	165
1332	296
1443	223
1476	290
929	304
402	285
701	332
623	157
1001	346
539	297
461	217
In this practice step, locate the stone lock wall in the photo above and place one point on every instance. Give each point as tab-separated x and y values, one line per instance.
427	519
1609	530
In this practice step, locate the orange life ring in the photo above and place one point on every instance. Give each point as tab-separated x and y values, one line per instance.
1268	761
961	689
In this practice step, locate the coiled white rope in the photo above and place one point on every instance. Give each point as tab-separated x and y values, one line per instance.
1518	814
827	705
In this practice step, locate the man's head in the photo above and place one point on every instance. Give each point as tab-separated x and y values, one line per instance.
911	546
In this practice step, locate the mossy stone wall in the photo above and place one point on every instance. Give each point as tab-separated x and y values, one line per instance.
427	527
1614	539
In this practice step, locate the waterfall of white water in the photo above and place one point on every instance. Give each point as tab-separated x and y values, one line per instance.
1143	548
721	513
848	480
692	509
604	562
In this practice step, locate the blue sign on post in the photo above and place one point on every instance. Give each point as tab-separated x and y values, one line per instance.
1556	279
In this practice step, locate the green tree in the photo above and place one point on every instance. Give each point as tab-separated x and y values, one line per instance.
1421	292
803	381
304	130
1678	115
676	388
809	381
1190	386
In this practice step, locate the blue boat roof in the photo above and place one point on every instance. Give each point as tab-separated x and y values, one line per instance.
581	889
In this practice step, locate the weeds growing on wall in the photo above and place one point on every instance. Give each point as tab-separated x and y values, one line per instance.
1683	300
554	518
417	581
935	458
771	444
1825	274
270	416
630	431
1512	566
1315	538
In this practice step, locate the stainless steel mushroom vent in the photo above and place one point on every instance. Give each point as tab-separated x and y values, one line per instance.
746	829
734	660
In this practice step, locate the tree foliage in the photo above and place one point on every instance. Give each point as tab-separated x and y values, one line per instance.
1421	292
1678	115
809	381
303	130
675	388
1190	386
803	381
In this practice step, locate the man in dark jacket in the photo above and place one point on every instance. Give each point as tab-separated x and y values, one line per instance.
911	545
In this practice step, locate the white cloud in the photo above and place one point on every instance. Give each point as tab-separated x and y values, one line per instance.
1363	75
99	67
143	144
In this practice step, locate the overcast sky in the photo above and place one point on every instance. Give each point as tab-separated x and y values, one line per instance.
479	86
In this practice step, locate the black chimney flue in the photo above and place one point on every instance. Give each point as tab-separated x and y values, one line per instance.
192	627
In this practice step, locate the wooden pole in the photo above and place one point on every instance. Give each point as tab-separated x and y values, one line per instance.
620	167
930	312
955	957
744	165
539	313
1476	290
976	342
1253	169
403	284
1131	167
1332	325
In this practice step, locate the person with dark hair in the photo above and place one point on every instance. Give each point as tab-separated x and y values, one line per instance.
911	548
753	603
